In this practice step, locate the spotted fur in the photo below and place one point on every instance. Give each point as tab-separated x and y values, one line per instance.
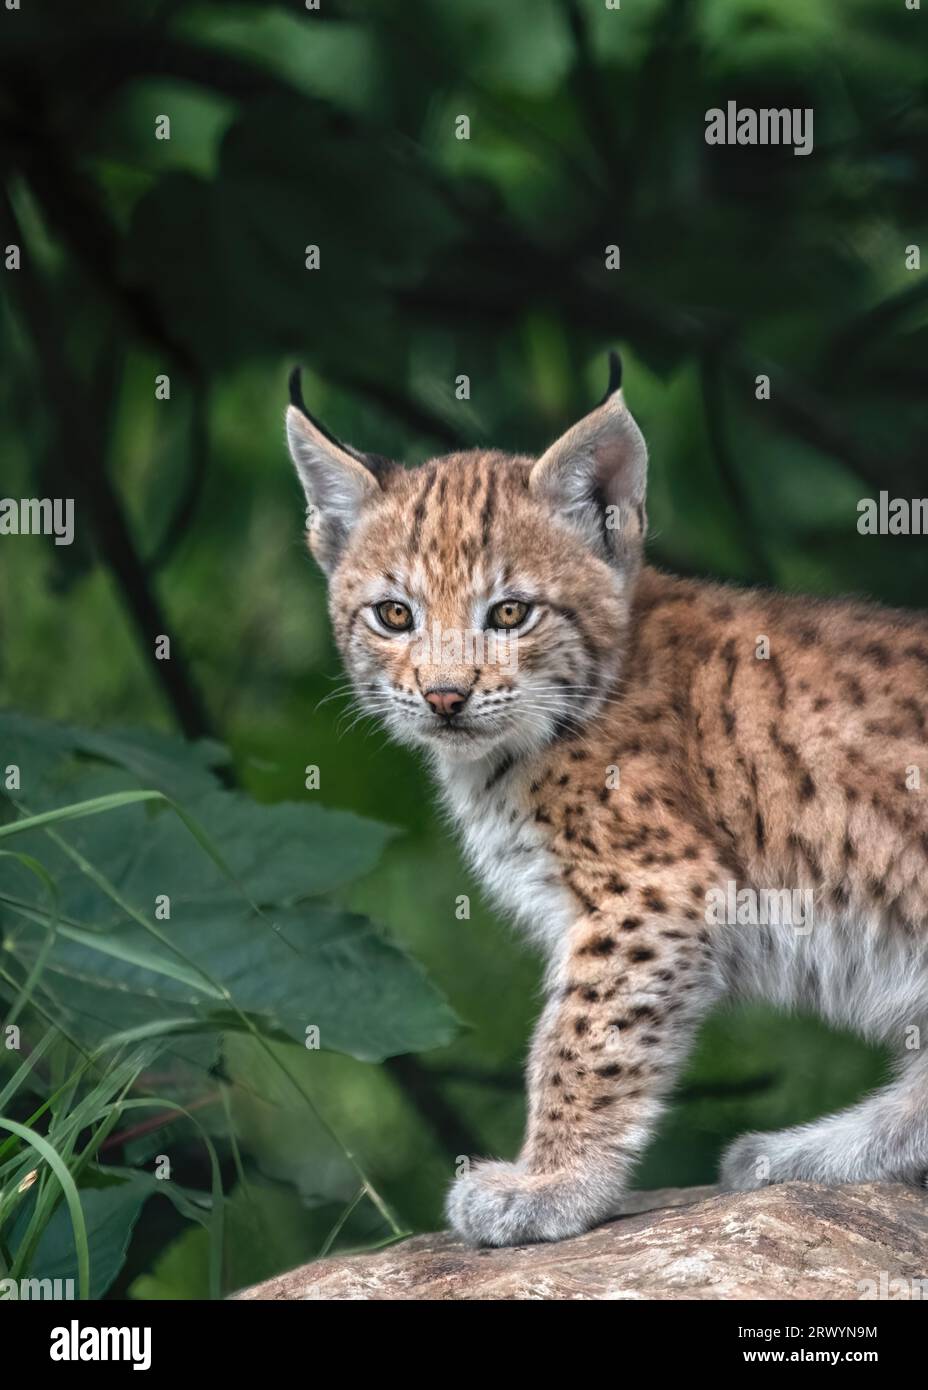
657	740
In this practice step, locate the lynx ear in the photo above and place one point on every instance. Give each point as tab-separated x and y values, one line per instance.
595	475
337	479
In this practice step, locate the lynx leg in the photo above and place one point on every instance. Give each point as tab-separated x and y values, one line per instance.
607	1048
883	1138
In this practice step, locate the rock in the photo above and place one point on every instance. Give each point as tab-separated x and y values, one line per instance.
795	1241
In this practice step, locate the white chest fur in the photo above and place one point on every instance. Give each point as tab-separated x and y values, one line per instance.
507	851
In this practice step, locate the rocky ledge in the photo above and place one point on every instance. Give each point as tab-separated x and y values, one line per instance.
794	1241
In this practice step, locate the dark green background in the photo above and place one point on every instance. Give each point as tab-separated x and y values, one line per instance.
438	257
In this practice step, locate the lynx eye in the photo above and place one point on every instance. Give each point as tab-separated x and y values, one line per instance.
508	614
396	616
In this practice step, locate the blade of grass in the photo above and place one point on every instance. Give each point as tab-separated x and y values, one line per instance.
118	950
63	1133
336	1229
25	1067
78	1225
45	878
78	810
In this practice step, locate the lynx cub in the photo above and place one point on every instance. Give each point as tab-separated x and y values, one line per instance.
629	750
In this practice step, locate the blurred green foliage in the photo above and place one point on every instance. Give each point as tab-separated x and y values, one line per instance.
439	256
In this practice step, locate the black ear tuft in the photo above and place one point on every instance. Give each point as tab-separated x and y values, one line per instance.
296	400
615	375
375	463
296	390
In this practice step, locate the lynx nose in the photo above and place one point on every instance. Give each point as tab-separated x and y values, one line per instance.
447	701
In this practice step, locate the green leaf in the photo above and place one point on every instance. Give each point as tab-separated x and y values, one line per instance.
280	853
122	859
161	761
110	1214
322	967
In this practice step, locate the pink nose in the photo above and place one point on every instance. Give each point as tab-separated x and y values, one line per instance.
447	702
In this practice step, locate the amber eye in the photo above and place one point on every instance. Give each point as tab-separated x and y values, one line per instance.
509	613
396	616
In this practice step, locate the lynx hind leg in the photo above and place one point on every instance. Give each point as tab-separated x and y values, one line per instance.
608	1047
881	1139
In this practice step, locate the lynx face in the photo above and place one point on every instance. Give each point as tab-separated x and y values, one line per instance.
480	601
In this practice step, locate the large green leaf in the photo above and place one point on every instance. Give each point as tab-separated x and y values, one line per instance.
111	1203
280	853
164	762
150	926
110	1214
307	966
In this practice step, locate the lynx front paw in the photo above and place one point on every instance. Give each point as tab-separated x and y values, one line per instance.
502	1204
